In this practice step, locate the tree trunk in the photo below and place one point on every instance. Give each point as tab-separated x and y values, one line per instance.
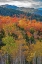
20	54
39	60
34	60
0	59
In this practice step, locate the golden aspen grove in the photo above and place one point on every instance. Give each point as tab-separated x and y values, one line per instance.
20	40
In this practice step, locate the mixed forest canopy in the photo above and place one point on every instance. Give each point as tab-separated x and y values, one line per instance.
20	39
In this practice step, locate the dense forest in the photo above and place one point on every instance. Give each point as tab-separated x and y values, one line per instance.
10	12
20	40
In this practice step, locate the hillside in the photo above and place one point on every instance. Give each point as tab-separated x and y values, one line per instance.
10	12
27	10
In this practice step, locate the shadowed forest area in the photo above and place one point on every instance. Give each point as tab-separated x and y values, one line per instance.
20	40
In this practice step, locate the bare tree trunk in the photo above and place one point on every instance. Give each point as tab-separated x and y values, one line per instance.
0	58
34	60
39	60
20	55
16	61
24	60
6	59
13	61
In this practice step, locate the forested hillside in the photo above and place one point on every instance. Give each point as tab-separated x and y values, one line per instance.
20	40
10	12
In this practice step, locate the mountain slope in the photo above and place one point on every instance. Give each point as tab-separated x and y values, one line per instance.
11	12
9	6
27	10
